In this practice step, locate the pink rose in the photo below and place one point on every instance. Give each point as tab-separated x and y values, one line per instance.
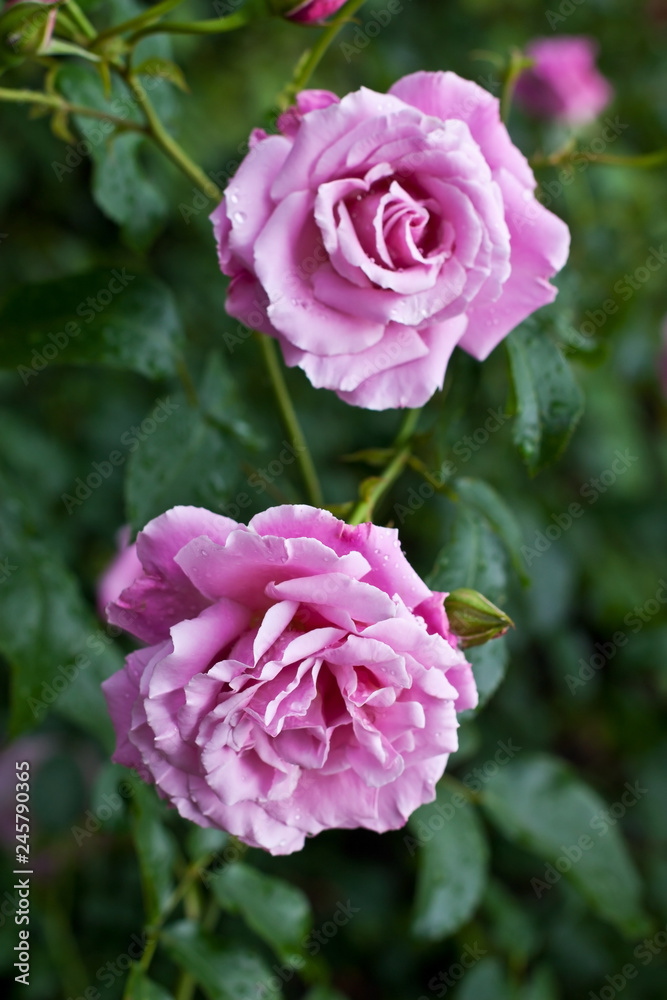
313	11
121	572
378	232
300	676
564	83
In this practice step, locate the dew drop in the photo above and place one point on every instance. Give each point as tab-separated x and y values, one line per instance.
233	197
239	218
203	552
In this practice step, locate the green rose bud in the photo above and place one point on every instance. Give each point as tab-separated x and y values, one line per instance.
473	618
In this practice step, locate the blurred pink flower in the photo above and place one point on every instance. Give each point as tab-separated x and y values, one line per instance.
564	83
313	11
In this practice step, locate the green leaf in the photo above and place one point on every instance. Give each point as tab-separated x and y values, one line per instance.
485	981
121	187
453	863
489	666
486	501
549	402
140	987
112	317
542	985
83	85
513	929
165	69
222	972
277	911
57	652
184	460
539	803
473	557
123	191
156	850
324	993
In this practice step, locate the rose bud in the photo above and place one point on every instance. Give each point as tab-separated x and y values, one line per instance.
306	11
563	82
473	618
26	29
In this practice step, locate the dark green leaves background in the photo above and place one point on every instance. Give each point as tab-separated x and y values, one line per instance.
552	460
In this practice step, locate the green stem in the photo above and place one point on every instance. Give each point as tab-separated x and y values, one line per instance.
212	27
59	104
134	23
440	487
307	67
192	872
517	63
186	987
647	160
80	19
364	509
169	145
290	419
66	25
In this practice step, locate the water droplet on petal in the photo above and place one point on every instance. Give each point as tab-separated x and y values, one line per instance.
239	218
233	197
203	552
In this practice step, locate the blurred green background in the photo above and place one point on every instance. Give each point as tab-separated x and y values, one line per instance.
587	582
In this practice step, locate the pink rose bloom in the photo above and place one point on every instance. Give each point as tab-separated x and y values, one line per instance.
300	677
564	83
378	232
313	11
122	571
